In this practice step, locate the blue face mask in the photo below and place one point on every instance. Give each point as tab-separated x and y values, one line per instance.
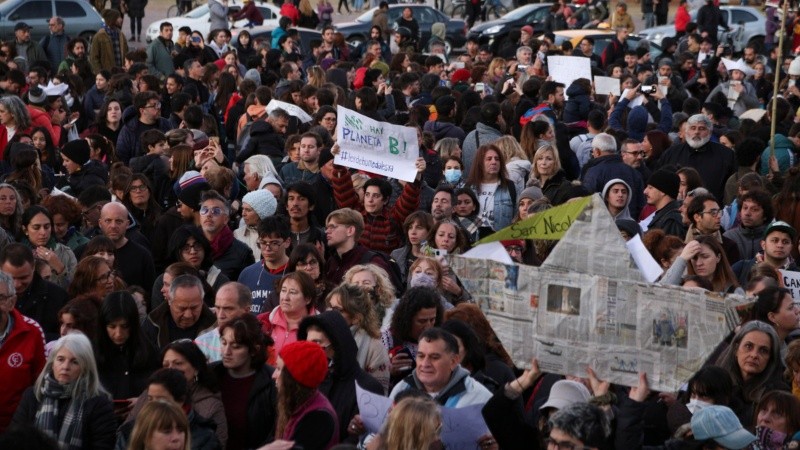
452	175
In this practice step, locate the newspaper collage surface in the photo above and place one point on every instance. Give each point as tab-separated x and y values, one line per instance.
588	305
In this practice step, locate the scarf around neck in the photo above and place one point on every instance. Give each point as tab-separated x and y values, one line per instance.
221	242
47	417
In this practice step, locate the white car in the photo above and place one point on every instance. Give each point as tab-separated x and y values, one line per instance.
198	20
747	25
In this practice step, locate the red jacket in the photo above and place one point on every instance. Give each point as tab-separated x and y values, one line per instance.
382	232
681	19
21	362
39	118
290	11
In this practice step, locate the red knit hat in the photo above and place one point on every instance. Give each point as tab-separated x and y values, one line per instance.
460	76
358	82
306	363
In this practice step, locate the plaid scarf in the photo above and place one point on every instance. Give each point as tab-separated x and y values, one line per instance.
113	33
69	438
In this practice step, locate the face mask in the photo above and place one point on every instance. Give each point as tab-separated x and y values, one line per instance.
696	405
452	175
422	279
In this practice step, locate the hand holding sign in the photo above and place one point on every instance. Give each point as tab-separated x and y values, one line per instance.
373	409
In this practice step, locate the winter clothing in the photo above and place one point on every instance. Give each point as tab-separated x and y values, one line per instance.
55	47
443	130
599	171
669	219
159	57
481	135
625	213
261	401
557	188
339	385
202	431
713	161
462	390
784	152
41	301
264	140
219	15
157	325
747	239
382	232
21	361
579	104
129	141
102	55
234	259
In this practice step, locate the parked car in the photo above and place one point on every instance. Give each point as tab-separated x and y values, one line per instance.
602	38
494	32
357	32
747	26
80	17
198	20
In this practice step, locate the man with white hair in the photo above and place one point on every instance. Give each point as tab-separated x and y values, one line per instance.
712	160
607	164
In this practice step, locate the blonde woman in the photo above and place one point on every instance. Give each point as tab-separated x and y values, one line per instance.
316	77
375	281
497	71
355	306
517	164
552	178
161	425
414	423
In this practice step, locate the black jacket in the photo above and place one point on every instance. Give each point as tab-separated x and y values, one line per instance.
713	161
99	423
235	259
261	405
557	188
170	221
669	219
91	174
155	327
339	387
264	140
41	302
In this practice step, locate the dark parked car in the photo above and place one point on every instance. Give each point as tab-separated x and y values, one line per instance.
494	32
80	17
456	35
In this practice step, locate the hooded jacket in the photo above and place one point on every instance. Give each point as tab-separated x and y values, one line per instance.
579	104
339	386
747	239
129	142
482	134
462	390
669	219
625	213
443	130
784	152
598	171
91	174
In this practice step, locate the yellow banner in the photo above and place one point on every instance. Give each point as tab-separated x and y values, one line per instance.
550	224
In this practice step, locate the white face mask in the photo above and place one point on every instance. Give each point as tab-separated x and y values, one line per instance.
696	405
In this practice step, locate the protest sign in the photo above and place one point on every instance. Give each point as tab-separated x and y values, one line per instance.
373	409
590	305
566	69
461	427
644	260
606	86
791	280
293	110
550	224
376	147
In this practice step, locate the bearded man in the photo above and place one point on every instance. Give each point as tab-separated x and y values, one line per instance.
713	161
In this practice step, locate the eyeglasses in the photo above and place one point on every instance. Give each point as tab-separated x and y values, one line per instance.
553	444
5	298
192	247
155	106
311	262
137	188
271	244
639	153
106	276
514	249
216	211
333	226
713	212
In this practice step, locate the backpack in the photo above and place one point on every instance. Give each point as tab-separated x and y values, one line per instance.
244	136
393	269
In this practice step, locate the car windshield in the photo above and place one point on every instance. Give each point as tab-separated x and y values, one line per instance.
366	17
520	12
198	12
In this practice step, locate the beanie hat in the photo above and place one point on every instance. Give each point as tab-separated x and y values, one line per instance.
36	96
220	63
532	193
252	74
513	242
262	201
77	151
666	182
460	76
528	29
382	66
190	196
361	73
189	178
324	156
306	363
637	122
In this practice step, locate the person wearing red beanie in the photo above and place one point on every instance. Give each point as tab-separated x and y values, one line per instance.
305	417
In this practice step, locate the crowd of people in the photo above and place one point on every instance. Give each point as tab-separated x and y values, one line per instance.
182	268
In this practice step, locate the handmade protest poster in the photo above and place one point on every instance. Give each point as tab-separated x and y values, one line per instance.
293	110
376	147
606	86
566	69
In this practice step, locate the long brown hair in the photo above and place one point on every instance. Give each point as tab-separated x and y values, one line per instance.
476	172
723	278
291	396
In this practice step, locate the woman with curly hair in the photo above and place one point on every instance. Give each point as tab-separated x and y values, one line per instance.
375	282
14	116
66	220
357	309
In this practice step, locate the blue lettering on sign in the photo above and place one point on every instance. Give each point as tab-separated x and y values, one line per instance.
364	139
